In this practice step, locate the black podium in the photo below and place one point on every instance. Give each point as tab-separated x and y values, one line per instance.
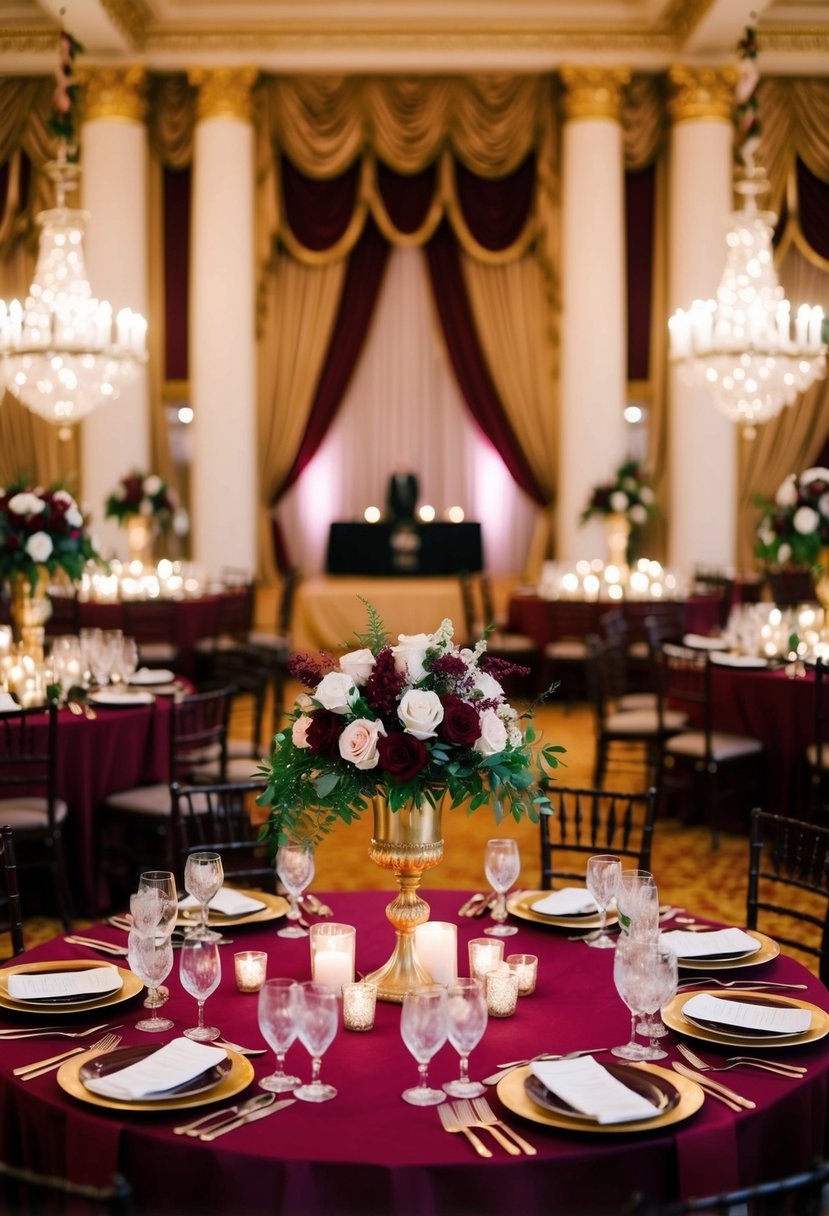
404	549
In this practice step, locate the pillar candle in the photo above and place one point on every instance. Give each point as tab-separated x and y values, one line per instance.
436	945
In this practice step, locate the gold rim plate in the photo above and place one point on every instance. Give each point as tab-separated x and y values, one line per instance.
130	987
673	1017
276	906
520	904
237	1079
512	1093
769	949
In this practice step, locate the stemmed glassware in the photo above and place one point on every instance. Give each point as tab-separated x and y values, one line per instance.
164	882
629	970
278	1013
200	970
203	878
424	1027
637	903
126	660
150	952
317	1023
502	865
467	1015
658	988
295	870
603	873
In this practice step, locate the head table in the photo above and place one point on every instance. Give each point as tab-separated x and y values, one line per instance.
367	1151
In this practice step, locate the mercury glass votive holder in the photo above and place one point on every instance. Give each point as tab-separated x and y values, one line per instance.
525	967
501	992
484	954
250	967
359	1003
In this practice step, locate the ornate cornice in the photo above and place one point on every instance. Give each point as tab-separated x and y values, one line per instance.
593	92
681	18
132	17
224	92
35	40
113	93
696	93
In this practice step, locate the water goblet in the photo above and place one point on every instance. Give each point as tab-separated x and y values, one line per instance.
203	878
295	869
317	1024
467	1014
278	1012
424	1027
637	903
126	660
659	978
200	970
152	962
502	866
629	964
603	873
164	882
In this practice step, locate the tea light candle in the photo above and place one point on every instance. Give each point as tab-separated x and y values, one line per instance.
436	946
251	967
332	954
501	992
525	967
484	954
359	1002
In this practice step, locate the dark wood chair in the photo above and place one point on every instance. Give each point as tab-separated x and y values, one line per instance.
221	818
817	753
788	878
797	1195
274	648
153	625
11	917
250	679
584	822
65	616
566	656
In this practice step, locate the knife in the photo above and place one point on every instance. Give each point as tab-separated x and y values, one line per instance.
224	1116
705	1081
251	1118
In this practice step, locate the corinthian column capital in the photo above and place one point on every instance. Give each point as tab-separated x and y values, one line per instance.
119	93
593	92
696	93
224	92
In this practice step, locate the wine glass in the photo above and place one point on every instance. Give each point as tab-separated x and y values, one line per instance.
317	1024
659	978
637	902
152	962
603	873
200	970
126	660
295	869
467	1014
502	865
203	878
424	1027
163	881
629	964
278	1012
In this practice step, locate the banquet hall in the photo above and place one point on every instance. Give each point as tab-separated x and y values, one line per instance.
387	314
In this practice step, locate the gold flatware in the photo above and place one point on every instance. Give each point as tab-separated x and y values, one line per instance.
243	1051
29	1071
241	1120
466	908
46	1032
92	943
783	1070
757	985
225	1115
489	1118
120	922
729	1096
75	708
451	1123
570	1055
468	1118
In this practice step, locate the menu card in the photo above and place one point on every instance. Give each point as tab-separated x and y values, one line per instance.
226	902
589	1088
172	1065
773	1019
686	944
51	985
569	901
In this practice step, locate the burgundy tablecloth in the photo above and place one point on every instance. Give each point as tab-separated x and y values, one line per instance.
541	618
367	1151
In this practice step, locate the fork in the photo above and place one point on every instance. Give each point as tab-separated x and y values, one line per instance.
488	1118
759	985
46	1032
29	1071
451	1123
468	1118
92	943
243	1051
783	1070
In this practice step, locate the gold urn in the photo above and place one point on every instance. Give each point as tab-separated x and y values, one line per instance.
30	610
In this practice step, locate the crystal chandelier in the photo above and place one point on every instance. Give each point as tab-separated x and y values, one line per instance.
745	345
62	352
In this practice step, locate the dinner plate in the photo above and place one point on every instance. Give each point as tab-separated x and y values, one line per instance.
769	949
520	904
674	1018
149	676
114	698
238	1078
113	1061
662	1094
131	986
702	641
749	661
513	1094
275	907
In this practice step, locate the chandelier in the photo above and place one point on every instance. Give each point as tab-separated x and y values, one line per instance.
745	345
63	352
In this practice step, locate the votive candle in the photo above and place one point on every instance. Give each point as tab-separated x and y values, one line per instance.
525	967
484	954
436	946
250	967
501	992
359	1003
332	954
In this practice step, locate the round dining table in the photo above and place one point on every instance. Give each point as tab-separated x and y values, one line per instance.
369	1152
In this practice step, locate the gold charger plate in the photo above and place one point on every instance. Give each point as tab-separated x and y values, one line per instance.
673	1017
130	987
769	949
520	904
237	1079
276	906
510	1090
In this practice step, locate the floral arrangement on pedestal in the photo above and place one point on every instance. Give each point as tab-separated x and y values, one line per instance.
794	527
42	528
630	494
144	494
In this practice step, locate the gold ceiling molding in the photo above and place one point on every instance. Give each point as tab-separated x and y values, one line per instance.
36	39
593	92
695	93
224	92
131	17
800	40
681	17
119	93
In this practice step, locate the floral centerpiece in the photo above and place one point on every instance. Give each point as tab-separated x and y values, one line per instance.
629	494
144	494
794	527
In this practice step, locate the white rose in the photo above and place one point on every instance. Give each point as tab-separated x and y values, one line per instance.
805	521
358	743
63	496
152	484
421	713
146	507
39	546
816	474
765	533
410	653
335	691
488	686
786	495
26	504
638	514
784	553
619	501
493	736
74	518
646	495
299	731
358	664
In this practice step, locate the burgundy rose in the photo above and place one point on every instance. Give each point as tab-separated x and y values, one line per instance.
402	756
461	724
324	732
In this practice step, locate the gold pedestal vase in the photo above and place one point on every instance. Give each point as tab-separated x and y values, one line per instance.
140	539
618	536
407	842
30	610
822	579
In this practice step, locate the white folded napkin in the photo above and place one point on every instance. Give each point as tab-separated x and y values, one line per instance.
8	705
151	675
589	1088
174	1064
702	641
226	902
44	985
569	901
774	1019
726	659
686	944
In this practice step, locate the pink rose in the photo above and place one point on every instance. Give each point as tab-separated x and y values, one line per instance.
358	742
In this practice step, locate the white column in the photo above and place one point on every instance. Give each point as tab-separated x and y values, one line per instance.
593	324
116	437
702	441
222	322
